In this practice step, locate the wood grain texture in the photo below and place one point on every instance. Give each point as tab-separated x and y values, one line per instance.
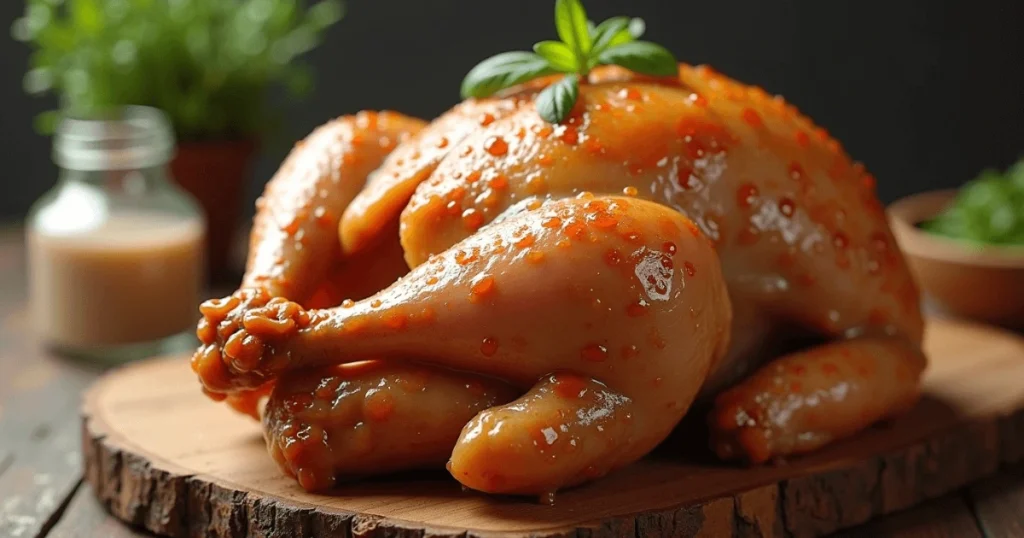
86	517
999	504
949	517
159	455
40	478
39	393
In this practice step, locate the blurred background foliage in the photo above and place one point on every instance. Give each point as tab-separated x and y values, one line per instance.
927	93
208	63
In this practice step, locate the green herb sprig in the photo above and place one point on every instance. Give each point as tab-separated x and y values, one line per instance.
988	210
583	46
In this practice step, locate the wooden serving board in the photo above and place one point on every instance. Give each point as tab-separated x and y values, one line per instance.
160	455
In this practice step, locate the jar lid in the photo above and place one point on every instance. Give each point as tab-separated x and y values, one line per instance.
127	138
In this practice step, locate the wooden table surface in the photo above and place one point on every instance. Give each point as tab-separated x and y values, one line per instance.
42	494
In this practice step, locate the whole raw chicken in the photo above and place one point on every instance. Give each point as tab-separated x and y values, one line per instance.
575	287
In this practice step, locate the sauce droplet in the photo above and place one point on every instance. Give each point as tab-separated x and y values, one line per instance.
577	230
569	386
379	406
472	219
686	179
464	258
787	207
697	100
489	346
636	310
571	136
746	195
323	217
840	240
752	118
605	221
796	171
496	146
594	353
552	222
482	288
630	93
526	241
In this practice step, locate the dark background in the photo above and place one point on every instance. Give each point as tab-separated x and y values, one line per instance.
926	93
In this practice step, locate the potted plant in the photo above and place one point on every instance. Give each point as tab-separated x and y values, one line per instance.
207	63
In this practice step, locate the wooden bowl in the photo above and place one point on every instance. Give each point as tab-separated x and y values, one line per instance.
984	283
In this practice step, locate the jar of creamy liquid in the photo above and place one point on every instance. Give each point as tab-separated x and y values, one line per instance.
116	248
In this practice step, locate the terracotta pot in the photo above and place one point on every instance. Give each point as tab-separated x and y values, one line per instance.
984	283
216	173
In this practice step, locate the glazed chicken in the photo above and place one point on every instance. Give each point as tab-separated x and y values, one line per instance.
574	288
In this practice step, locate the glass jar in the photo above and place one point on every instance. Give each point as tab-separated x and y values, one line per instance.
115	248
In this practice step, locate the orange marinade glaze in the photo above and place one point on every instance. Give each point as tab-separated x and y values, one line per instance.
798	230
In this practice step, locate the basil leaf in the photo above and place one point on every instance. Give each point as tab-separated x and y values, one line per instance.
606	31
637	27
633	32
558	54
571	23
557	100
642	57
591	27
502	71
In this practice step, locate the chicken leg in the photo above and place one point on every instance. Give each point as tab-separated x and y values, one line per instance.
626	294
295	254
369	418
293	241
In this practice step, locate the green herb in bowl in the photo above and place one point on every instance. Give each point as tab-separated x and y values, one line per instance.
988	210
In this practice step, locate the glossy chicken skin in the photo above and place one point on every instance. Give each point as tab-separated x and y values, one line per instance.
800	241
367	418
803	240
293	243
294	253
293	248
633	287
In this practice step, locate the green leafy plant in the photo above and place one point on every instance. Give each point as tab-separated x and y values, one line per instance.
583	46
207	63
989	210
